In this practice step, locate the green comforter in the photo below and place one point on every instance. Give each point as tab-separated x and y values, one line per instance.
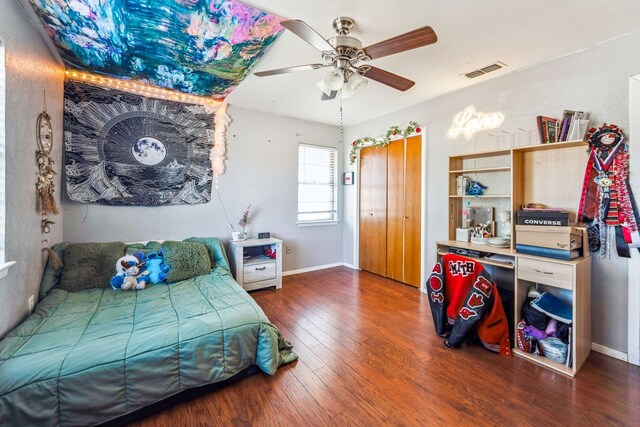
87	357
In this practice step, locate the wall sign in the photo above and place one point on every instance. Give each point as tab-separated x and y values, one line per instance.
469	121
347	178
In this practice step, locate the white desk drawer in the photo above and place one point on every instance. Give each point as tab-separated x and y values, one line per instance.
548	273
257	272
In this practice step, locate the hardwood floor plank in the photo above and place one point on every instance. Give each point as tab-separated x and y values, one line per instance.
321	393
304	353
369	355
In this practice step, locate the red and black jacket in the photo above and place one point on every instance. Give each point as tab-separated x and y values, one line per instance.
463	299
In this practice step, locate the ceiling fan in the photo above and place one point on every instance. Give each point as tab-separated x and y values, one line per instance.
344	53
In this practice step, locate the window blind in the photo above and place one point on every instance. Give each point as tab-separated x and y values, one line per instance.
317	183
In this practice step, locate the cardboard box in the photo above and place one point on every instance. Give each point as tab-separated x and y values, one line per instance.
563	238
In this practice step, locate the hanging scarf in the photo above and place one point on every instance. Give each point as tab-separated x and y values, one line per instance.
606	202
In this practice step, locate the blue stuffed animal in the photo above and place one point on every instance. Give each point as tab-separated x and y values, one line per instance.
476	189
130	273
157	268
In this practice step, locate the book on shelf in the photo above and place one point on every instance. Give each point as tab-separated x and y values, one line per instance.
462	183
578	126
552	130
571	127
547	129
567	118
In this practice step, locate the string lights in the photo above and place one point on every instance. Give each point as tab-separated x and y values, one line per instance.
141	88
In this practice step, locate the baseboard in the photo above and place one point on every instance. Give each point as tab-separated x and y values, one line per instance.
317	267
616	354
351	266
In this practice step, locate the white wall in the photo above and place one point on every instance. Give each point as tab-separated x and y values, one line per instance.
262	168
634	264
30	70
595	80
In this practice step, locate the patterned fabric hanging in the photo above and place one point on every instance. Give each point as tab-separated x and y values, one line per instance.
607	204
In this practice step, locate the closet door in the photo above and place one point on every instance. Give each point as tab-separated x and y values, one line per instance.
395	210
412	210
373	210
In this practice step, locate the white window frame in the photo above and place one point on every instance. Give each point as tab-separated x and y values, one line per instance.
335	220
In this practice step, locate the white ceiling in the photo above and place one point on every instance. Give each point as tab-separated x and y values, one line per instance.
471	34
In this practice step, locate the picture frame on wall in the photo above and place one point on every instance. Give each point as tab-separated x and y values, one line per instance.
347	178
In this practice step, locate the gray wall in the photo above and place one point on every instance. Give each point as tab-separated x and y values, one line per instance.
30	69
595	80
262	168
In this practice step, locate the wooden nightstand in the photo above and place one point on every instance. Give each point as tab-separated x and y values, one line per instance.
251	268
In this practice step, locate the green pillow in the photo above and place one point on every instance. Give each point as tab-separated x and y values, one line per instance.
90	265
51	275
216	250
186	259
151	246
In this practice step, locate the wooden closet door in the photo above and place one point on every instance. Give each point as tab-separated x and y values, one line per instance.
373	210
412	210
395	210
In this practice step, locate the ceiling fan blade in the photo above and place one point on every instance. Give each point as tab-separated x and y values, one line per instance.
389	79
289	70
326	97
413	39
308	34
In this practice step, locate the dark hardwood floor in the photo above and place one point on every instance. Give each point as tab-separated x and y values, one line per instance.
368	355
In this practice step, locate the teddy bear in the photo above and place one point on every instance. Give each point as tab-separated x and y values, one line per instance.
130	273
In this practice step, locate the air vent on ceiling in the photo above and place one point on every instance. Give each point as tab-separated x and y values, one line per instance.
484	70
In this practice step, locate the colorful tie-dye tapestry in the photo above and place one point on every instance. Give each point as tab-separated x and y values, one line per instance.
200	47
128	150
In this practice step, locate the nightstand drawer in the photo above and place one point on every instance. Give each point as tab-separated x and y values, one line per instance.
548	273
257	272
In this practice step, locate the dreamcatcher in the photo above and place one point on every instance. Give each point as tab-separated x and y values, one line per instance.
46	174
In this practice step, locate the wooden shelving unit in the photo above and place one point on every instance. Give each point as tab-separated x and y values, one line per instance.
444	246
547	173
476	247
484	196
482	170
543	173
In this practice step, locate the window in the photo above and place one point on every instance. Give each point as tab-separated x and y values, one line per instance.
317	189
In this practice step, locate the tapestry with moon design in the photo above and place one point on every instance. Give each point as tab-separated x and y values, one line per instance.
129	150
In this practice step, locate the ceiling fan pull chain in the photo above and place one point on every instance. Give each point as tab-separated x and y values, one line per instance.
341	125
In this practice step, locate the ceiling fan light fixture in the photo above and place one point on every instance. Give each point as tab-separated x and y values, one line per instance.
346	92
334	79
356	84
323	87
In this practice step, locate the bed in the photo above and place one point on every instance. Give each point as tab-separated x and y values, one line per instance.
88	357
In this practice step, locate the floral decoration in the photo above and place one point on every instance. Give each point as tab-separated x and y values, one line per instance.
245	217
393	133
